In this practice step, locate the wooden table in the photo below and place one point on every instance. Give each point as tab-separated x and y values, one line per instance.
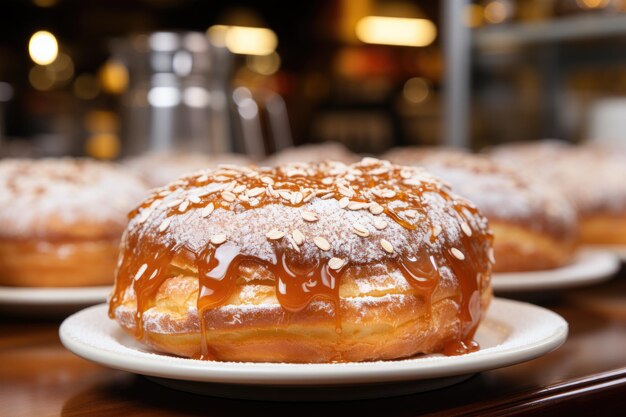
587	376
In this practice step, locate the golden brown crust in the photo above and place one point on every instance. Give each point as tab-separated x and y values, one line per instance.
603	229
520	249
57	264
380	319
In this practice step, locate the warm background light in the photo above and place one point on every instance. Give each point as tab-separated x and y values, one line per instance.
113	77
244	40
396	31
43	48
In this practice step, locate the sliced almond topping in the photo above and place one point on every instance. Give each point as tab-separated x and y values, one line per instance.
348	192
296	197
356	205
298	237
327	181
195	199
140	271
285	195
256	191
243	197
308	197
239	189
380	224
218	239
228	196
321	243
230	186
309	216
336	263
174	203
267	180
275	234
412	181
360	230
466	229
293	244
164	225
343	203
202	178
145	214
206	212
388	247
457	254
436	230
411	214
376	209
327	196
406	174
387	194
183	206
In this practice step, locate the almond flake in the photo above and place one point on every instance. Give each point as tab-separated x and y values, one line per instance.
267	180
206	212
256	191
164	225
228	196
321	243
174	203
275	234
309	216
327	181
466	229
195	199
436	230
343	203
298	237
388	247
457	254
183	206
218	239
360	230
376	209
239	189
380	224
336	263
492	258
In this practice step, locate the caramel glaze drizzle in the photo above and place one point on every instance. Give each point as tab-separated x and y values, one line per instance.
145	265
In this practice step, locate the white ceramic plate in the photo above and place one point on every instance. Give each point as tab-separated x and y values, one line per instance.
512	332
618	250
590	266
42	301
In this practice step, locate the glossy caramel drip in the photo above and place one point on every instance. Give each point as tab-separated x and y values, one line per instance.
300	280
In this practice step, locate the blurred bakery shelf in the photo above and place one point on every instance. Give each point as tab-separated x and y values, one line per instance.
574	28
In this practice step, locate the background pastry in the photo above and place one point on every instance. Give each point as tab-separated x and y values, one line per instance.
160	168
592	177
61	220
534	225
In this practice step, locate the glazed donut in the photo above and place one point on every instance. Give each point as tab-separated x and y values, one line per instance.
534	225
313	152
161	168
61	220
592	177
304	263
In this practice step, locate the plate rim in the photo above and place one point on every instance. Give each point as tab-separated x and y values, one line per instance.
272	374
53	296
556	278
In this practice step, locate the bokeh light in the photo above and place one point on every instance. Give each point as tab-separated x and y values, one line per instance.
43	47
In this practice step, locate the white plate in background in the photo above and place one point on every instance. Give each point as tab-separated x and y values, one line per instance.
512	332
589	266
58	300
